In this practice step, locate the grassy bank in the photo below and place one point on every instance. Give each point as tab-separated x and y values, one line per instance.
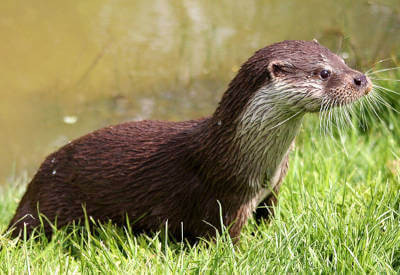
338	211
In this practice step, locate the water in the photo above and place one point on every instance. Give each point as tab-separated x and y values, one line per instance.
69	67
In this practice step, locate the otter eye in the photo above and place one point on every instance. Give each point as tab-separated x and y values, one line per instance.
325	74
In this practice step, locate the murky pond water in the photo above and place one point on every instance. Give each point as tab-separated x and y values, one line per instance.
69	67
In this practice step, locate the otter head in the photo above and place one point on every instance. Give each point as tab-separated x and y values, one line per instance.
307	76
290	77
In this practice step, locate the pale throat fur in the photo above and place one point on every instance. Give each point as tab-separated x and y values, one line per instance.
267	129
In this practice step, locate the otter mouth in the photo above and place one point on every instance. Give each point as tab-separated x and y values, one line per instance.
369	87
339	96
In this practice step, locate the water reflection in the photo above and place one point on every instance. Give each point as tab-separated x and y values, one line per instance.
68	67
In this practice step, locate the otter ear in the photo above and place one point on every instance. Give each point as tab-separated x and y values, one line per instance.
280	68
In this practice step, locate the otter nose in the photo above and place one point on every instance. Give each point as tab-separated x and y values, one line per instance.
360	80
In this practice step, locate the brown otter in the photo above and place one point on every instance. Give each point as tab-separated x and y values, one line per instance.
187	173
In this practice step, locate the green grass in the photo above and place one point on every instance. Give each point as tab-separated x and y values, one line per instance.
338	212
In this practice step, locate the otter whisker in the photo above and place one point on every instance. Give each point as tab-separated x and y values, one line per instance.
385	89
352	114
341	136
375	99
328	115
385	79
324	115
370	103
346	115
376	63
382	70
357	110
286	120
381	100
368	107
339	118
363	110
321	115
335	121
338	121
341	123
330	119
327	112
335	112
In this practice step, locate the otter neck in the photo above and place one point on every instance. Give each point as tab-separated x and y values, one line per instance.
245	147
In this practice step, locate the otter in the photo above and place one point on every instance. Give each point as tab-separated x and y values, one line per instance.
189	176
